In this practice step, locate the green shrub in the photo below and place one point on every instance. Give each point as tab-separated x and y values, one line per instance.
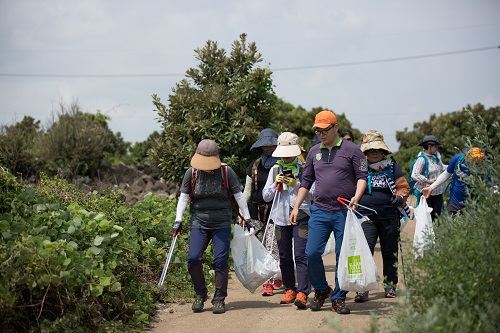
454	287
83	263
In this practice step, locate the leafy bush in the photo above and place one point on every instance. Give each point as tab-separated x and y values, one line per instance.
454	287
16	147
83	263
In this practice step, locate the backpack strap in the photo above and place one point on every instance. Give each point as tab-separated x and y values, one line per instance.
255	170
225	185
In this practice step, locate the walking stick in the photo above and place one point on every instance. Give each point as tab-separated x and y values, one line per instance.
167	262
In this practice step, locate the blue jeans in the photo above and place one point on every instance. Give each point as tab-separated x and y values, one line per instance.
198	242
321	224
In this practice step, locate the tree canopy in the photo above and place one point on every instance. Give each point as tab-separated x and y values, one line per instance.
227	98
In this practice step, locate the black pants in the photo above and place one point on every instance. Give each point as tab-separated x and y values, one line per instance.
436	203
388	232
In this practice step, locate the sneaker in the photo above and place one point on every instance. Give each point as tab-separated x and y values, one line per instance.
319	298
361	297
338	305
219	307
198	303
390	293
301	300
289	297
277	283
267	289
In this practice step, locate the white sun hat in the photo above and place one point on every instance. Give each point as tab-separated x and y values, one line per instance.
288	145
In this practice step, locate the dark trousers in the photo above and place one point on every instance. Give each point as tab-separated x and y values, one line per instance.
198	242
296	235
436	203
388	232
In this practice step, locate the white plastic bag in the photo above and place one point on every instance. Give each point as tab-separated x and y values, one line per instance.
423	238
357	270
330	245
253	264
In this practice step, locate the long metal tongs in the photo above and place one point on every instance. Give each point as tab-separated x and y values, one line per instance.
167	262
345	202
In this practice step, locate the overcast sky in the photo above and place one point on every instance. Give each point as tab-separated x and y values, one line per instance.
385	64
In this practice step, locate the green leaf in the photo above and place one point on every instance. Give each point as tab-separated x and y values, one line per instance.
105	281
71	230
117	227
98	240
95	250
115	287
96	290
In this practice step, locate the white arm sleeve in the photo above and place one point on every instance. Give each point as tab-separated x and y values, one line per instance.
181	206
248	189
242	204
444	176
269	189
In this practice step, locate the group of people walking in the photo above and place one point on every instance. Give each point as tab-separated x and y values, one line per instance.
297	199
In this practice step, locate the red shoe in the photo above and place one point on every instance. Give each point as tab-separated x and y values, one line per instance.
277	283
267	289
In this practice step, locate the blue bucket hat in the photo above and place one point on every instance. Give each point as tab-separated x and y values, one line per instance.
267	137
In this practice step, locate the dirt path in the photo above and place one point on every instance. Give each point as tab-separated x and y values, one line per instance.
247	312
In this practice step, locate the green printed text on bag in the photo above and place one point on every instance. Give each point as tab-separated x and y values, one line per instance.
354	265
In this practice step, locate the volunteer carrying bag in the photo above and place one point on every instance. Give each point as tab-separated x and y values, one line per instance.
357	270
423	238
253	264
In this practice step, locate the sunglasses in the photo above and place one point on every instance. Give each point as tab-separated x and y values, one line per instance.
325	131
374	151
348	139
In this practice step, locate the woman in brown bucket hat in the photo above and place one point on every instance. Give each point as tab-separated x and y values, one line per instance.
386	192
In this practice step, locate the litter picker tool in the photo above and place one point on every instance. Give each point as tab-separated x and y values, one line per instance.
344	201
167	262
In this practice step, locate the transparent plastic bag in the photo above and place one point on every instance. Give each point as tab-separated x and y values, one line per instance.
330	245
253	264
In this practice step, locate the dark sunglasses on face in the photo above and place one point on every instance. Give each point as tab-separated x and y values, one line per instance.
347	139
374	151
325	131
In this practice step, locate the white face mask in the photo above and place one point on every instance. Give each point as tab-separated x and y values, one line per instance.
380	165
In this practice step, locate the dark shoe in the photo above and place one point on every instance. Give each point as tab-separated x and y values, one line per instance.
300	300
198	303
338	305
319	298
219	307
361	297
390	293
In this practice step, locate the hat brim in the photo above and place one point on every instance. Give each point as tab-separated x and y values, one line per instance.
430	141
202	162
322	125
265	142
287	151
375	145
